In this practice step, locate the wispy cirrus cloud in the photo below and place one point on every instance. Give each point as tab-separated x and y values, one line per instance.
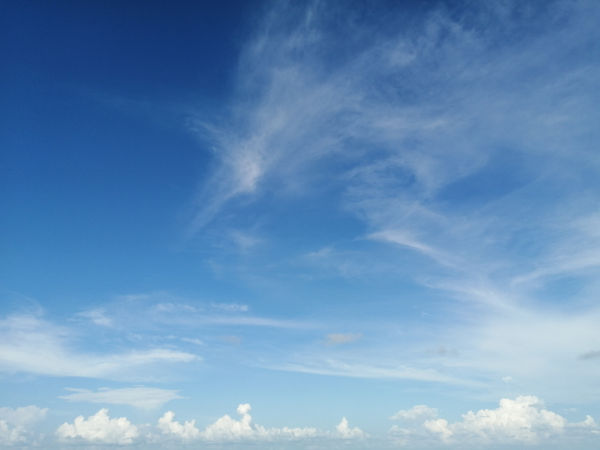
33	345
458	139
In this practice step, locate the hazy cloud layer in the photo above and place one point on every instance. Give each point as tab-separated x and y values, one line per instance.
139	397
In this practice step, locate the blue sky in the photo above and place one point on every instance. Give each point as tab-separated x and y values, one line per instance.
300	225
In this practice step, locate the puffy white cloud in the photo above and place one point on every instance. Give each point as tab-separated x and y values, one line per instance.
229	429
139	397
185	431
515	422
226	428
99	428
14	423
345	432
522	419
440	427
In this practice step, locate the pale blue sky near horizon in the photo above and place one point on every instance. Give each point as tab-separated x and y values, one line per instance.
323	209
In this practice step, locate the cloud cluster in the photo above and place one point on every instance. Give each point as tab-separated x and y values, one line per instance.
346	432
521	420
185	431
227	428
99	428
15	423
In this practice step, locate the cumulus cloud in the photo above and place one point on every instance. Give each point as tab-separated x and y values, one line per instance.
15	422
99	428
522	420
139	397
439	427
185	431
345	432
228	429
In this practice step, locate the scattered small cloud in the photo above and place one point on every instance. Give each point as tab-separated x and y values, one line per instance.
590	355
518	421
245	241
194	341
229	307
171	307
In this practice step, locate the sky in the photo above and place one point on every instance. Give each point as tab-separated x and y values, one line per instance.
300	225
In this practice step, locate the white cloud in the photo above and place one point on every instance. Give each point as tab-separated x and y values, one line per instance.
405	239
97	316
416	412
230	307
227	428
520	420
194	341
99	428
185	431
342	338
30	344
345	432
366	369
15	423
515	422
439	427
139	397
